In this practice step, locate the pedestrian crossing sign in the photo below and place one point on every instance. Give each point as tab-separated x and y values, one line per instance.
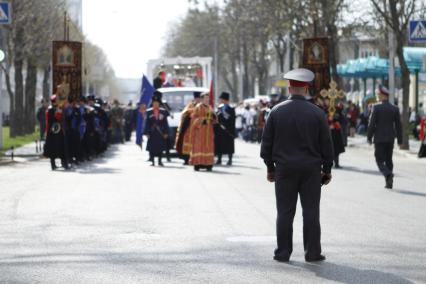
5	13
418	31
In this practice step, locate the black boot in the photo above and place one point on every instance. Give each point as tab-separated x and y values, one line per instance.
52	164
64	164
160	163
186	160
389	181
219	159
336	162
168	155
229	160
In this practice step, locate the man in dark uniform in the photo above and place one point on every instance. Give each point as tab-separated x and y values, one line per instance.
72	128
129	121
225	130
298	152
90	135
55	135
385	126
157	131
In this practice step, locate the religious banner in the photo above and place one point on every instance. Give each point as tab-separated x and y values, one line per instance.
316	59
66	60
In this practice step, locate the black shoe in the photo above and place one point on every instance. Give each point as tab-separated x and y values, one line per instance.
229	163
209	168
389	182
54	167
280	258
316	258
197	168
169	160
219	162
161	164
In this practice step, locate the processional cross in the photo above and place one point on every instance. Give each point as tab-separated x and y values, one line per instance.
332	94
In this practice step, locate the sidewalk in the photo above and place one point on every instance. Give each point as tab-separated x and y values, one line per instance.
25	153
361	142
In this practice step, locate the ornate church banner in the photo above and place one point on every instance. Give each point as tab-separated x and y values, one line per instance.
66	60
316	59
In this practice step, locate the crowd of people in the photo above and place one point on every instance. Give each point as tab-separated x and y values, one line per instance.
81	129
202	135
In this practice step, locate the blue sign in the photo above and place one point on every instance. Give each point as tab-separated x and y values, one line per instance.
418	31
5	13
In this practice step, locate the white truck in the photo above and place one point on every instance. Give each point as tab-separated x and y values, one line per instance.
183	77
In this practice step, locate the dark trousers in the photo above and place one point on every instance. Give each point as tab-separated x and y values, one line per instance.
383	153
289	184
153	155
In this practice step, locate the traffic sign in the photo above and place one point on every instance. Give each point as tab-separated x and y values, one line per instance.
418	31
5	13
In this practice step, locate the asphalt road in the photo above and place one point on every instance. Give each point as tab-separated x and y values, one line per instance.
119	220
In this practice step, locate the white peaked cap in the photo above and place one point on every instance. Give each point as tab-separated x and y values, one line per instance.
300	74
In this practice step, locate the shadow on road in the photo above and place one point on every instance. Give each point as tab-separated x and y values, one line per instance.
345	274
358	170
408	192
216	172
245	167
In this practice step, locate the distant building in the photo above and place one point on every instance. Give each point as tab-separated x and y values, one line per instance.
75	11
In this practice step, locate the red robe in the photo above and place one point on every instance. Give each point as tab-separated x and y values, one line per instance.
202	136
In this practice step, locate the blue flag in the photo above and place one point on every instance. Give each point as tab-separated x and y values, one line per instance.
147	90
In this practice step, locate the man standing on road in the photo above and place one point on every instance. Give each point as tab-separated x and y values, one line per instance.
157	131
225	130
298	152
385	126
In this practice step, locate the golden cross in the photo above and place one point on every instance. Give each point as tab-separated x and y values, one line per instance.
332	94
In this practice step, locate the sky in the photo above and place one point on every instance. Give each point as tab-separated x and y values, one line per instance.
130	32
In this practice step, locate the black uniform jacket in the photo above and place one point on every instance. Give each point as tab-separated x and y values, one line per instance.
297	136
225	130
385	123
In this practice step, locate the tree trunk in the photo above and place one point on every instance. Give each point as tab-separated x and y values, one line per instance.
291	56
46	85
246	77
17	125
6	72
405	80
30	97
334	52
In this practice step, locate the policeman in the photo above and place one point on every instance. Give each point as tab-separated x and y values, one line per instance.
297	150
385	126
